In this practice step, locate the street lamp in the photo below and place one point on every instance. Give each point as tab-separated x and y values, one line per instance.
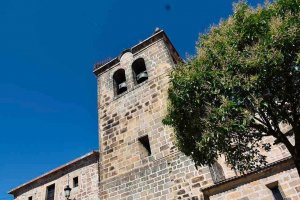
67	190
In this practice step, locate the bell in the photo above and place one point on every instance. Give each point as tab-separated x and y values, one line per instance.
122	87
142	76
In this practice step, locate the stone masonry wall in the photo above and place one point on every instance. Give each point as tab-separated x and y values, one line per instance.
288	184
88	188
125	171
172	177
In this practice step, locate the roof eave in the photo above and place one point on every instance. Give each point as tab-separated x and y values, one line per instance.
65	166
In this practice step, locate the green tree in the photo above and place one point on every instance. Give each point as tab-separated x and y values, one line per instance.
242	84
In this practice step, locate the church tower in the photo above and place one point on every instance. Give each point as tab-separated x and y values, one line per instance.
138	159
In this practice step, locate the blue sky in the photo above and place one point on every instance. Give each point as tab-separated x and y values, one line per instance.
48	113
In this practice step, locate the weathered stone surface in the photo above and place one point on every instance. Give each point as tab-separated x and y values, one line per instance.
162	175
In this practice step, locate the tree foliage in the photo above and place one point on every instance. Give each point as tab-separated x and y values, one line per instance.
243	82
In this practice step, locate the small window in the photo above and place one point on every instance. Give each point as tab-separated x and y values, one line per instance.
30	198
120	84
275	190
217	172
145	143
139	70
50	192
75	182
276	193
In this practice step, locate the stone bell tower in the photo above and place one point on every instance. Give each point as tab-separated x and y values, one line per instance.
138	159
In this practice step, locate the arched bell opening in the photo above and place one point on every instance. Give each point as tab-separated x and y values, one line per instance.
120	84
139	70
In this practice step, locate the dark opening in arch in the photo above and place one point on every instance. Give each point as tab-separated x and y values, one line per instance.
139	70
120	84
